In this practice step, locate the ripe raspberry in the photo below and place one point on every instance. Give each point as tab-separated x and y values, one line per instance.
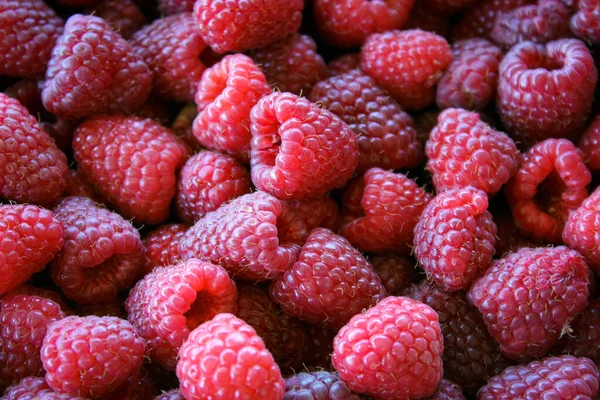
550	183
174	394
242	236
162	246
528	298
123	16
299	150
138	387
225	96
318	385
581	340
236	27
240	366
408	64
582	230
590	144
132	162
34	388
170	302
559	109
48	294
170	7
111	80
28	92
447	390
102	253
421	17
303	216
380	211
396	272
470	82
386	138
343	64
78	185
508	236
112	309
171	47
585	22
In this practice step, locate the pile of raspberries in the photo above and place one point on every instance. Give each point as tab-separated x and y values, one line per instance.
299	199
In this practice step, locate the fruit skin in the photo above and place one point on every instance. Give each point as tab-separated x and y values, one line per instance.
123	16
396	272
162	246
170	7
343	64
318	385
582	229
582	338
303	216
584	23
528	298
32	387
589	143
447	390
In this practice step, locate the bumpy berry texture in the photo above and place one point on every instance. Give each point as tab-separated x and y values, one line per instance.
76	184
299	150
396	272
305	215
530	107
169	7
240	367
345	63
393	350
123	16
380	211
582	339
242	236
170	302
447	390
329	284
585	23
550	183
528	298
138	386
582	230
31	388
318	385
590	144
235	27
386	137
162	246
132	162
408	64
111	80
171	47
28	92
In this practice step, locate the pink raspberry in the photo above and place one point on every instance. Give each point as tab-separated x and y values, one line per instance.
123	16
343	64
447	390
582	230
235	350
407	64
302	216
421	17
162	246
528	298
589	143
34	388
170	7
396	272
585	22
299	150
48	294
316	386
581	340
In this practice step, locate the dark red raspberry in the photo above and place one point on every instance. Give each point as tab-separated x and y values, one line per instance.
123	16
162	246
550	183
396	272
77	3
133	162
424	123
236	26
345	63
380	211
585	23
171	47
318	385
28	92
240	353
61	131
169	7
508	236
299	150
386	138
528	298
226	94
470	82
590	144
546	90
170	302
447	390
320	347
242	236
138	387
102	253
421	17
408	64
34	388
76	184
112	309
582	337
174	394
302	216
582	230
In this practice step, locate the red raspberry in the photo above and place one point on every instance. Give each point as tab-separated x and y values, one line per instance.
171	47
236	26
562	76
138	387
299	150
550	183
448	6
585	23
89	356
386	138
316	386
225	96
581	340
347	23
471	80
234	350
78	185
132	162
302	216
590	144
102	253
408	64
123	16
28	92
170	7
528	298
447	390
34	388
170	302
292	64
508	236
582	230
381	210
48	294
162	246
242	236
345	63
174	394
422	18
61	131
396	272
30	238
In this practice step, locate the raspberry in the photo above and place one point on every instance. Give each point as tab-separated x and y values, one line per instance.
298	149
386	138
89	356
29	29
207	180
320	347
582	338
381	210
407	64
582	230
138	387
132	162
528	298
123	16
590	144
330	282
303	216
34	388
240	366
78	185
347	23
396	272
102	253
169	7
170	302
225	96
30	237
174	394
162	246
345	63
546	90
316	386
550	183
48	294
93	70
171	47
464	151
422	18
508	237
235	27
112	309
28	92
471	80
292	64
585	23
242	236
447	390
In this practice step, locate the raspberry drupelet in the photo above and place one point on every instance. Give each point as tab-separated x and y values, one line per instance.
35	388
28	92
585	23
582	338
582	230
396	272
123	16
589	143
305	215
318	385
162	246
